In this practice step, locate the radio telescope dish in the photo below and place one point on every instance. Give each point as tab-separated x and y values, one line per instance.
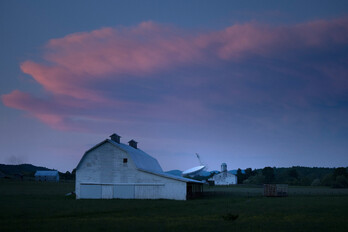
193	171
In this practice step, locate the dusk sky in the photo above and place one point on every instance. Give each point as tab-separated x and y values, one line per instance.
248	83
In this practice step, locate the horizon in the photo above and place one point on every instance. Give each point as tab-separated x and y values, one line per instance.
248	84
213	170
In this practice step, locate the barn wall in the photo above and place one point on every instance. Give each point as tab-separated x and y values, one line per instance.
47	178
225	179
170	189
104	166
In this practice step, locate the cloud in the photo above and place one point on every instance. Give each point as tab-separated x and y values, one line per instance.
250	39
132	51
159	72
48	111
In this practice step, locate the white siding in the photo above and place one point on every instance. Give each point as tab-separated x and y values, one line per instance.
149	191
225	178
91	191
107	191
124	191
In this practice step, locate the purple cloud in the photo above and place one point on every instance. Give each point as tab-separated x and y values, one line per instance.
157	72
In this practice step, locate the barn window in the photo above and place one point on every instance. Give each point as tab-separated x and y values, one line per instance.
125	161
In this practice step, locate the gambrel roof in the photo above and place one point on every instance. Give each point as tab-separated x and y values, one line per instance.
140	158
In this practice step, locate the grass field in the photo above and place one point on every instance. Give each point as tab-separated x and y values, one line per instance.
31	206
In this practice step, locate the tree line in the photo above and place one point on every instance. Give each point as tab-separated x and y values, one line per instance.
296	175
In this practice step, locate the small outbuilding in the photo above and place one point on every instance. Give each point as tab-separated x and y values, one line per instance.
224	177
112	169
275	190
47	176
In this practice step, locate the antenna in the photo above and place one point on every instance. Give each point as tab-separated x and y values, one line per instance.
195	170
199	159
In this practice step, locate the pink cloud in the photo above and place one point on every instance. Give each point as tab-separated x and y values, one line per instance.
110	53
137	50
35	107
243	40
75	66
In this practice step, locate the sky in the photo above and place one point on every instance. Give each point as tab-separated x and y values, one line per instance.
248	83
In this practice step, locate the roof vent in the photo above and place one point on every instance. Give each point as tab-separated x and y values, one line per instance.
115	137
133	144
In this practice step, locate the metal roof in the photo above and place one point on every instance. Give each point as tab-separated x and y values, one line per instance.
141	159
46	173
170	176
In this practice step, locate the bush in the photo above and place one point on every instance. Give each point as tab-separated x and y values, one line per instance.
316	182
328	180
340	182
257	179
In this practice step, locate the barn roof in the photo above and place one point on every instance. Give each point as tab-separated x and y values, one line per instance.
46	173
170	176
142	160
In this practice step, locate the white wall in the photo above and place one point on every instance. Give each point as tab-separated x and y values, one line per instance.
225	178
47	178
104	166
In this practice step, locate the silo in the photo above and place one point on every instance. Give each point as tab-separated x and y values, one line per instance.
223	167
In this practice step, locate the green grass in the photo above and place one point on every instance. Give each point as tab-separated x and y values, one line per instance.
255	190
30	206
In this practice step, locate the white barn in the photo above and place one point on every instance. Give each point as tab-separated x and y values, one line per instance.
47	176
112	169
224	177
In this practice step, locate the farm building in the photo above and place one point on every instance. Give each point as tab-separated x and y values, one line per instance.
275	190
112	169
47	176
224	177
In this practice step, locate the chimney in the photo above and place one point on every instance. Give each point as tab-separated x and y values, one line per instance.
133	144
115	137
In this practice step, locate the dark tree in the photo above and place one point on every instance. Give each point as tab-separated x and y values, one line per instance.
340	178
248	173
293	173
240	176
340	172
268	173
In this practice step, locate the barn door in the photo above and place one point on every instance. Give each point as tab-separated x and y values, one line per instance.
107	192
90	191
124	191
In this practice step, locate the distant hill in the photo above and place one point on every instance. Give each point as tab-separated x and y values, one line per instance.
20	169
204	173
